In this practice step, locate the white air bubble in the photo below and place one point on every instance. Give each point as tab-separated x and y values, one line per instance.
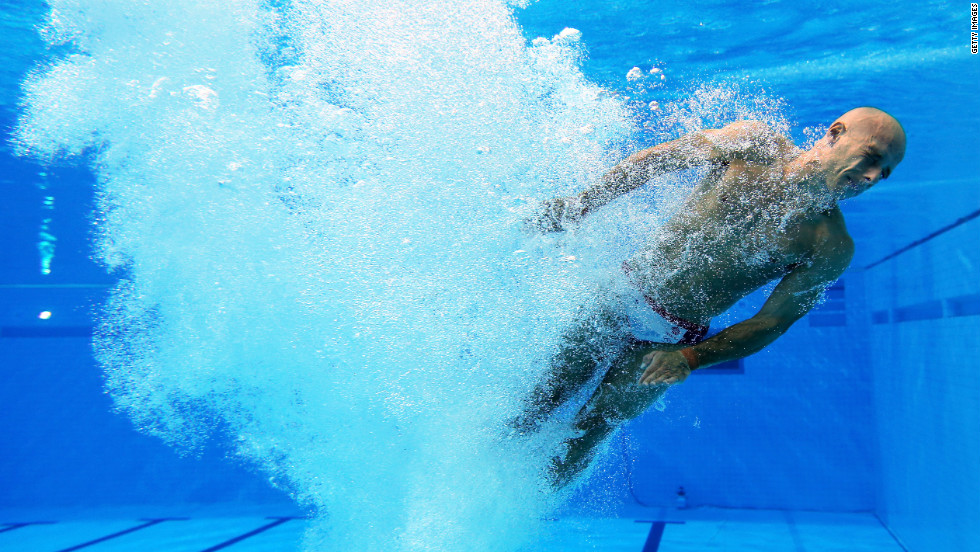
204	97
327	268
569	33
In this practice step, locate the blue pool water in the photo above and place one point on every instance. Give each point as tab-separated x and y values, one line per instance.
280	249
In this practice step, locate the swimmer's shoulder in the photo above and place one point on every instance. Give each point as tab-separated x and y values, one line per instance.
750	141
834	226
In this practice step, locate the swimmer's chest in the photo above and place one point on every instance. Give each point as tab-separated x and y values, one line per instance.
744	219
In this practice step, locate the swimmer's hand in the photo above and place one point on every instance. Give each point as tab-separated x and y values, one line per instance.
664	367
555	214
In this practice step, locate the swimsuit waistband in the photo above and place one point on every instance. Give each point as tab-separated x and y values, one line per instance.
695	332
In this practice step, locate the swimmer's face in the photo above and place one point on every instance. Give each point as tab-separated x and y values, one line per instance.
865	146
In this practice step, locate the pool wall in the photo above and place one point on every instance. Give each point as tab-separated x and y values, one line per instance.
64	448
923	333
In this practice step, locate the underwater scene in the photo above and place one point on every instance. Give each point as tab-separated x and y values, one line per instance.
487	275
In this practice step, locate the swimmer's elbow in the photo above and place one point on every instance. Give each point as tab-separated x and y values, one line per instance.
775	325
689	151
738	140
749	140
758	332
782	324
750	127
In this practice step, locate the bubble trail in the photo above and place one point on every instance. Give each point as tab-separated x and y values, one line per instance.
314	209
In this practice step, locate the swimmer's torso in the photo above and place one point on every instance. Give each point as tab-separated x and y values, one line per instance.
743	226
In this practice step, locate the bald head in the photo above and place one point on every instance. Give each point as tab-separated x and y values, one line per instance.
860	148
877	124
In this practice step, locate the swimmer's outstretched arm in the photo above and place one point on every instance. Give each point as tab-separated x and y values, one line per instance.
697	149
795	295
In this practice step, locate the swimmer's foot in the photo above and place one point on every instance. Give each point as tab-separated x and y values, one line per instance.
562	471
523	426
533	419
579	453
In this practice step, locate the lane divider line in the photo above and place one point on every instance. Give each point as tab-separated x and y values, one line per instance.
148	523
923	240
794	532
898	541
279	521
656	533
12	526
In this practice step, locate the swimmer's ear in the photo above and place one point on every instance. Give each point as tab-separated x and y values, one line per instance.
835	131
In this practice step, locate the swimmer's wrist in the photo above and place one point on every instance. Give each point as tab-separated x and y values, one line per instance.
692	358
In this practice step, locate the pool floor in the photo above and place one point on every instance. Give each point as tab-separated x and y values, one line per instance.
652	530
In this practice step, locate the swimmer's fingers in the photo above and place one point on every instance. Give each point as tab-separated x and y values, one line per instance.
647	377
555	214
668	379
648	360
548	219
648	369
663	368
654	368
665	377
653	371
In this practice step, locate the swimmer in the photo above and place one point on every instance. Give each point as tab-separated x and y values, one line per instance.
765	210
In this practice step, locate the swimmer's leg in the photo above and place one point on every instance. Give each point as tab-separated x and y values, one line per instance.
586	348
619	398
